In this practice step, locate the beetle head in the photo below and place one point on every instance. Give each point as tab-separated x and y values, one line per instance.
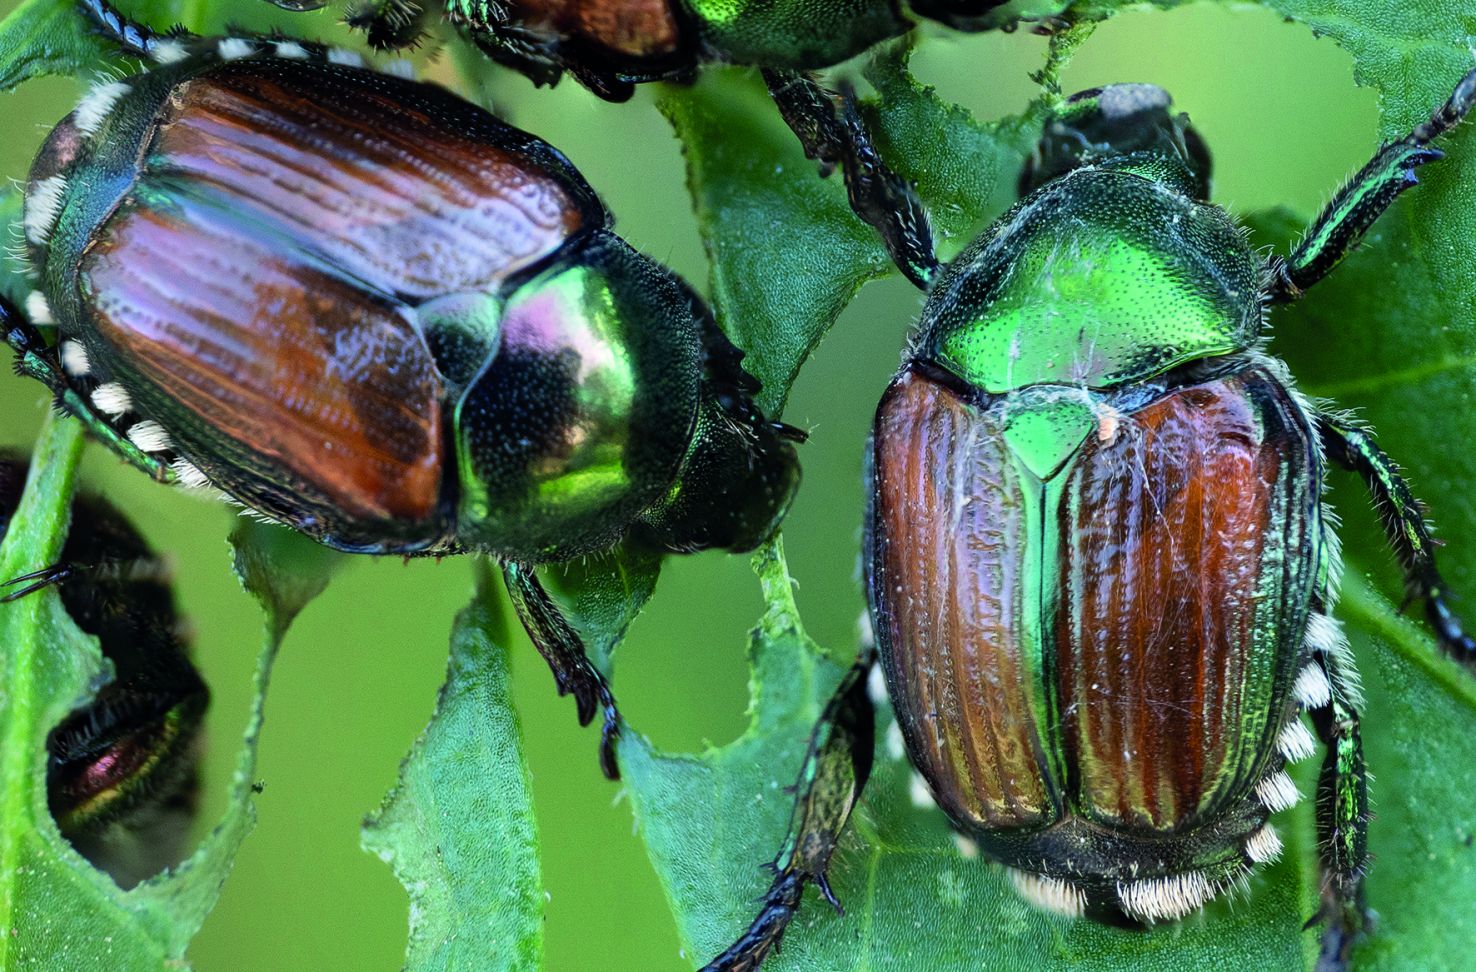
1130	125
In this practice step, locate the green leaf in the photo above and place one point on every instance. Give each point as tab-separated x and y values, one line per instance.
44	37
786	253
56	910
458	827
1391	332
603	595
963	169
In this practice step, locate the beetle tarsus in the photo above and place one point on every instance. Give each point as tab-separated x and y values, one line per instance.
878	195
133	37
609	735
767	930
830	780
1342	224
36	580
1345	925
563	650
1342	819
1450	629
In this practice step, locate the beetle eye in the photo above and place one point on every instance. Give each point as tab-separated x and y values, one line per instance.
1126	123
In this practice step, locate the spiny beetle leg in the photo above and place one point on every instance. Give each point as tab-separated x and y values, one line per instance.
1354	448
835	770
387	24
1365	198
563	649
35	359
1342	824
882	199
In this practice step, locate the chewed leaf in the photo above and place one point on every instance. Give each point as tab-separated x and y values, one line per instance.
963	169
603	595
458	828
1391	333
787	254
56	910
44	37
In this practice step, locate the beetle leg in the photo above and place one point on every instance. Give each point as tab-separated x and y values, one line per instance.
1365	198
882	199
834	772
35	359
1342	825
1355	449
563	649
36	580
387	24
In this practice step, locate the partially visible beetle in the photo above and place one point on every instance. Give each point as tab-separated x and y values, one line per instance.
122	770
1099	567
610	46
369	310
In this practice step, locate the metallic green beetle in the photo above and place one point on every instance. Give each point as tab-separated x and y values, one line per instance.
1099	568
368	310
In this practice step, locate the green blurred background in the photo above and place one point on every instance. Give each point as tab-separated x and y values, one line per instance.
358	674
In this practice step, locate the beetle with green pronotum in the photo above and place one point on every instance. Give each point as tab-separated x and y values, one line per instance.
367	309
1099	565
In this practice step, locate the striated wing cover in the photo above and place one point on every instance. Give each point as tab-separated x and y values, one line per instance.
259	280
1115	642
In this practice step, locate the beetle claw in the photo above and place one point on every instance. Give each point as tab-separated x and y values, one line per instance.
584	699
609	737
35	581
823	884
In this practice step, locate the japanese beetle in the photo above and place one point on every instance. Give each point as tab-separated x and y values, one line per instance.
122	769
610	46
1099	567
367	309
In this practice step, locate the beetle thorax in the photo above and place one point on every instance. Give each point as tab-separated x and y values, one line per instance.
1099	279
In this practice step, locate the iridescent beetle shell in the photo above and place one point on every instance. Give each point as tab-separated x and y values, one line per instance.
122	769
1098	563
369	310
1095	539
